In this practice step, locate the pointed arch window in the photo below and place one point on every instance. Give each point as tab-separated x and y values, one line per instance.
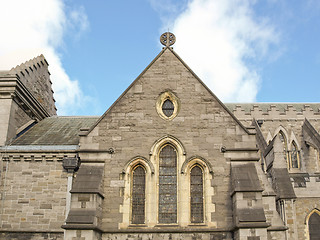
314	223
294	155
284	144
196	194
138	195
168	185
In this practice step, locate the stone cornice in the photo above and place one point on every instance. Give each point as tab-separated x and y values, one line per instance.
12	88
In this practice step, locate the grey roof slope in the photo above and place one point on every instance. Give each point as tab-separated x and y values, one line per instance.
244	178
283	184
299	107
55	131
88	180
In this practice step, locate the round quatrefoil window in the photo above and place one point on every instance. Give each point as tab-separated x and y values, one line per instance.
167	105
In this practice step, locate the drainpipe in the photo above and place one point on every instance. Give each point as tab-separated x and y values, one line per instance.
70	164
283	203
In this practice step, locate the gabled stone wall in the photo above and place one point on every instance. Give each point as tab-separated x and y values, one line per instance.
134	129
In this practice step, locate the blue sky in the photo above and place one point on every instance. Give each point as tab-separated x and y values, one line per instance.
245	51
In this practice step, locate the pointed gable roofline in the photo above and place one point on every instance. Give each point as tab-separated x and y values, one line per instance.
209	90
189	69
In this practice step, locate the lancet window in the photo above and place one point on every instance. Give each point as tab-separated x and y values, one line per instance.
138	195
314	223
294	155
284	144
168	185
196	194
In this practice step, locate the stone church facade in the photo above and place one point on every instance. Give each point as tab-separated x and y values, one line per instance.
168	160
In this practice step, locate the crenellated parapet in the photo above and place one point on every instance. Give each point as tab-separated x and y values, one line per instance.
279	111
35	76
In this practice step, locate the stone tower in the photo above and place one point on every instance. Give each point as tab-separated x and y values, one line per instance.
26	97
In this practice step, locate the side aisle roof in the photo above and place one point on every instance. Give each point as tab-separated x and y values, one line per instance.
55	131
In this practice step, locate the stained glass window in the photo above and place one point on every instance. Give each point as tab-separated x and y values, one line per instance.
168	185
294	156
167	108
138	195
196	194
314	229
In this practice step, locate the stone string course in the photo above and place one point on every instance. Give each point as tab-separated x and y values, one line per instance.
36	157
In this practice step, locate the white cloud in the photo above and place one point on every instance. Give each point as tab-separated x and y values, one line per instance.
168	9
34	27
218	39
79	19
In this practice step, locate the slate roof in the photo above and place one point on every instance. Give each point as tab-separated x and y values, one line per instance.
251	215
282	107
81	216
88	180
245	178
55	131
283	184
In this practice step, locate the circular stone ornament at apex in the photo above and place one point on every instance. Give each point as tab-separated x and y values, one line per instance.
167	39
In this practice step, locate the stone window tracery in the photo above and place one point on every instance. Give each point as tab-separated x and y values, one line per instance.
168	188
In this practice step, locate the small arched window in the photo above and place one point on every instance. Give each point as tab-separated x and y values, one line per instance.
167	185
314	223
138	195
196	194
294	155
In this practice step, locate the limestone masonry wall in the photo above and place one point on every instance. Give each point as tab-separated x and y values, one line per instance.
31	236
33	195
168	236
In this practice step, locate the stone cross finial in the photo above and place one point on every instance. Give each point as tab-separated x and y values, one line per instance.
167	39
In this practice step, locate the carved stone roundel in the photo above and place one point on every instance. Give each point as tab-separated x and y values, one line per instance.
167	39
